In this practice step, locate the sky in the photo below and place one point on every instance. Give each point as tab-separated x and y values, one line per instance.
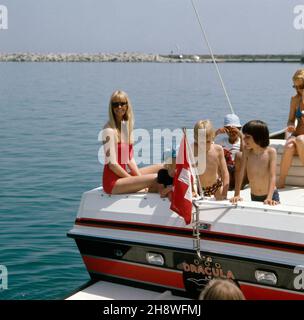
158	26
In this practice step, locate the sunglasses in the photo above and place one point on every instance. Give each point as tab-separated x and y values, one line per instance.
117	104
298	87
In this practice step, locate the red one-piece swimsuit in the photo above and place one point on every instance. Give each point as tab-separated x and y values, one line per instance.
125	153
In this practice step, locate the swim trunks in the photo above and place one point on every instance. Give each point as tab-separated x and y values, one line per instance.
275	197
164	178
211	190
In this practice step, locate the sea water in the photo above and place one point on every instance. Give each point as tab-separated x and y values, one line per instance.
50	117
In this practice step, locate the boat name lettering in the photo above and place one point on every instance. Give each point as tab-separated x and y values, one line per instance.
207	270
298	281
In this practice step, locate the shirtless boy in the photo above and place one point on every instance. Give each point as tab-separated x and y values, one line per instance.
259	161
215	178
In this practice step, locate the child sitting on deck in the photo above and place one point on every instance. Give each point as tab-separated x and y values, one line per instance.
213	172
259	161
230	138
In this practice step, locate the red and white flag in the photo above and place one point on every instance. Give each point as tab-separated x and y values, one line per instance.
181	201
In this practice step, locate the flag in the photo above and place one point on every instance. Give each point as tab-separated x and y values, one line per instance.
181	201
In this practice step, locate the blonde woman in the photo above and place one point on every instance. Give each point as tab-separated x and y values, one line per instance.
295	143
121	174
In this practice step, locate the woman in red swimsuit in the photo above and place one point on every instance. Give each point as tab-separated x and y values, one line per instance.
121	174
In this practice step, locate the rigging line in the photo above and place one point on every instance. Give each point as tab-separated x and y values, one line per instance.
211	53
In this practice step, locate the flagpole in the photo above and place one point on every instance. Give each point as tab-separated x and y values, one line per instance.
196	175
196	216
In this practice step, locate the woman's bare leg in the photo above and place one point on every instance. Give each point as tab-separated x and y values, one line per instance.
300	147
134	184
288	153
151	169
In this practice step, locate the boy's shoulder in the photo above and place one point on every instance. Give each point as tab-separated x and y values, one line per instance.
217	147
271	150
218	150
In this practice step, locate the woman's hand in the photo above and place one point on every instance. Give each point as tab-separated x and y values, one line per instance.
291	129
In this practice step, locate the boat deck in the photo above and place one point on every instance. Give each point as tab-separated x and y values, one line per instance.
290	196
103	290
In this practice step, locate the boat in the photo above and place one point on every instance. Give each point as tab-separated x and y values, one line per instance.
136	241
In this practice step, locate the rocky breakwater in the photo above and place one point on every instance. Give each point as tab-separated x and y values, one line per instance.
84	57
143	57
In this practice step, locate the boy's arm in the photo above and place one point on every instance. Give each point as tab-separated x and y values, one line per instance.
242	141
224	173
272	176
220	131
239	176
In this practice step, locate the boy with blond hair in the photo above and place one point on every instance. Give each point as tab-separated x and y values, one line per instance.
213	172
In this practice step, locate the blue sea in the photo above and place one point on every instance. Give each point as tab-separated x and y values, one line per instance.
50	117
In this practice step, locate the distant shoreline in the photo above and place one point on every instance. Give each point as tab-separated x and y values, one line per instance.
141	57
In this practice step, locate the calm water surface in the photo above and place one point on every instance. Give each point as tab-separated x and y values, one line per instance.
50	116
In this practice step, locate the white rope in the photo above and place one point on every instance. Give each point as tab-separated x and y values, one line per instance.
211	53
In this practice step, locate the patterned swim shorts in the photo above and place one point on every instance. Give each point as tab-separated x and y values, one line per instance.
211	190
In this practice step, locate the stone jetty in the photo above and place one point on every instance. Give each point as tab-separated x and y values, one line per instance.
142	57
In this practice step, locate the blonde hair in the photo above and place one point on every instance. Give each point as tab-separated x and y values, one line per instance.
221	289
206	125
118	94
299	75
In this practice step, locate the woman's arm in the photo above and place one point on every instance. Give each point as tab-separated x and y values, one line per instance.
133	168
110	147
291	117
272	176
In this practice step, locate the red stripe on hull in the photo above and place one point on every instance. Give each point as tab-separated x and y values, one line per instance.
131	271
252	292
206	235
